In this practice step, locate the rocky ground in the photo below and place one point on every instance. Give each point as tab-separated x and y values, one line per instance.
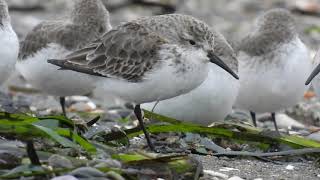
233	19
254	169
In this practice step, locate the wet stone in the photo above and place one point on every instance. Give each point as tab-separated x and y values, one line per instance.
57	161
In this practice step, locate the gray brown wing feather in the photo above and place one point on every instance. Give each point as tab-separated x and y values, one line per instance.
64	34
127	52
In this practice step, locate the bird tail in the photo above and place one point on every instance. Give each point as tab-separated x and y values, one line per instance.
77	61
65	65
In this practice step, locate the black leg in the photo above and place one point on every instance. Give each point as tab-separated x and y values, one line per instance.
137	112
6	114
63	105
253	117
32	154
273	116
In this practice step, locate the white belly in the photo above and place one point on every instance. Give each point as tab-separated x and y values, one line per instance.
8	52
272	87
162	83
208	103
47	78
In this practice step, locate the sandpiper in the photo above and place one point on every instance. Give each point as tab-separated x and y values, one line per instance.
9	43
88	20
273	65
213	99
149	59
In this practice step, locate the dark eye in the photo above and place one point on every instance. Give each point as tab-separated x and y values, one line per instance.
192	42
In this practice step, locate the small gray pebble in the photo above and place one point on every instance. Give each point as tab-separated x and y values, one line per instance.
87	172
58	161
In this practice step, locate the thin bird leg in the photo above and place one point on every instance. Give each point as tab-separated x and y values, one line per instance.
32	154
273	117
253	117
138	113
63	105
6	114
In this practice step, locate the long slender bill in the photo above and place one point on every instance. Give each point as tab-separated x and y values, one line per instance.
314	73
216	60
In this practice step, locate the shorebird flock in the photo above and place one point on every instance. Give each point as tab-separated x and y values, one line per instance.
175	65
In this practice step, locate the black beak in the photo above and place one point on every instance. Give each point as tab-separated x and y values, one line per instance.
314	73
216	60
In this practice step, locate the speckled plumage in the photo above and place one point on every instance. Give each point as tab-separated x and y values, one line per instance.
132	49
148	59
271	29
87	21
152	58
4	12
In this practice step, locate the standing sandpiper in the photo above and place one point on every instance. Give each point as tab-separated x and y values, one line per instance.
213	99
55	39
273	65
9	43
149	59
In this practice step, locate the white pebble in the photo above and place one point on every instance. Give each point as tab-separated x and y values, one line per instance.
67	177
290	167
235	178
216	174
227	169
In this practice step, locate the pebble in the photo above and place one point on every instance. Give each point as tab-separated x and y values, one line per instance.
192	138
216	174
314	136
9	160
115	176
235	178
284	121
87	172
82	107
57	161
67	177
307	6
209	144
290	167
110	163
227	169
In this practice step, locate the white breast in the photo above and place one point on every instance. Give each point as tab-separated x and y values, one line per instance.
270	87
47	78
208	103
163	82
9	44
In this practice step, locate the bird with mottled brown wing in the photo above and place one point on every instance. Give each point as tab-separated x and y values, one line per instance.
86	21
148	59
64	34
127	52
